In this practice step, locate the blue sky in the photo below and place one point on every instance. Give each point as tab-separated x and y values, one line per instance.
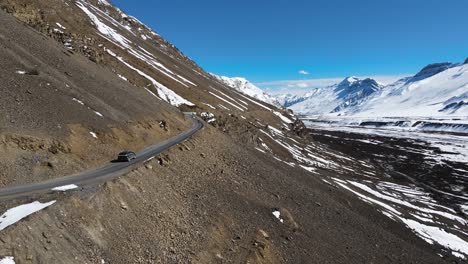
272	41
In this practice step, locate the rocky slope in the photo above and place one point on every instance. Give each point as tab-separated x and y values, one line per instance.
81	80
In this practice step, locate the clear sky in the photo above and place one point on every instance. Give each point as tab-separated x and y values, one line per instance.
271	41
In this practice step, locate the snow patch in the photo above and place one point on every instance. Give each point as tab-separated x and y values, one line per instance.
7	260
277	214
261	150
56	30
15	214
210	106
94	135
60	26
78	101
65	188
309	169
433	234
122	77
459	255
110	52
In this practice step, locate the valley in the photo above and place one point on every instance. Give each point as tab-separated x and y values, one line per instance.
342	174
401	147
407	177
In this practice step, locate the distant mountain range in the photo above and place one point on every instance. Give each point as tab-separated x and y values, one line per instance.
350	92
439	89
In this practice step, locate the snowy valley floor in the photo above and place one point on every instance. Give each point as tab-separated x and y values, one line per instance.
417	179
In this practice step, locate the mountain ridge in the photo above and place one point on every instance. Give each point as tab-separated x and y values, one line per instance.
450	77
350	92
244	86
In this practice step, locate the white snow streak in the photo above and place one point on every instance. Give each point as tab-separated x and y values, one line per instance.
65	188
104	29
165	93
255	102
210	106
94	135
60	25
222	106
153	94
15	214
122	77
222	99
283	118
78	101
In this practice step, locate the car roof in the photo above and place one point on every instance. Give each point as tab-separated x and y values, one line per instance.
126	152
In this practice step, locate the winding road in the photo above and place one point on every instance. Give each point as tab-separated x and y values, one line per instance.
104	173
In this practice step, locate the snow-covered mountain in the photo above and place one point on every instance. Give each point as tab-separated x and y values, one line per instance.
431	70
439	89
350	92
287	100
353	92
246	87
444	93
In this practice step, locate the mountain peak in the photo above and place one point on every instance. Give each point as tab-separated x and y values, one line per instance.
348	81
244	86
356	83
466	61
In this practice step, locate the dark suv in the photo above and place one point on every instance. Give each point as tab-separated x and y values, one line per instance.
126	156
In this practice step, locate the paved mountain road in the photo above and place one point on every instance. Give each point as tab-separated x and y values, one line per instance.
104	173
